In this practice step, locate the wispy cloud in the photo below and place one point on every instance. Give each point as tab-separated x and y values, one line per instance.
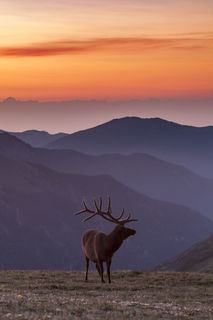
101	45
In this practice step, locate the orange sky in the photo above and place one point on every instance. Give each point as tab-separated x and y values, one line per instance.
55	50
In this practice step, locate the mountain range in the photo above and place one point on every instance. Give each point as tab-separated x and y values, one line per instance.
40	188
186	145
39	230
144	173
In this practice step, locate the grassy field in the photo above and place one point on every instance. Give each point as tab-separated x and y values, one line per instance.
64	295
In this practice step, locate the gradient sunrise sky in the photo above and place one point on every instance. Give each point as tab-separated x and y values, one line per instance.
115	49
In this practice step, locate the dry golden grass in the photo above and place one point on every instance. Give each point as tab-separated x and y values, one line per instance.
44	295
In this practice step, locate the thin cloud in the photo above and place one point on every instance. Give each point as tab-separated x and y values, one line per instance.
115	45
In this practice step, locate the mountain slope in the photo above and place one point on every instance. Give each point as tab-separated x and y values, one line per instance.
185	145
144	173
199	258
38	229
37	138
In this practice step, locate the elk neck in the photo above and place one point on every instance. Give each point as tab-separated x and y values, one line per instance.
114	240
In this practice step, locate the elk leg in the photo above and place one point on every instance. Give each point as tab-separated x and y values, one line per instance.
98	269
101	269
87	267
108	263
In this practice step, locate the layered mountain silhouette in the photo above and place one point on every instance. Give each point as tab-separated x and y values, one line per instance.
37	138
40	188
198	258
142	172
38	228
181	144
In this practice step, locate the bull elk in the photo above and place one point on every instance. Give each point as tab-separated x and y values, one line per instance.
99	247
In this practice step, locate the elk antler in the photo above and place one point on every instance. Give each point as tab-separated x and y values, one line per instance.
107	215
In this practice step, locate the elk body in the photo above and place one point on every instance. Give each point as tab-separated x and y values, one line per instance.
99	247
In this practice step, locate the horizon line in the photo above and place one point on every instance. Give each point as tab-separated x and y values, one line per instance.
11	99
